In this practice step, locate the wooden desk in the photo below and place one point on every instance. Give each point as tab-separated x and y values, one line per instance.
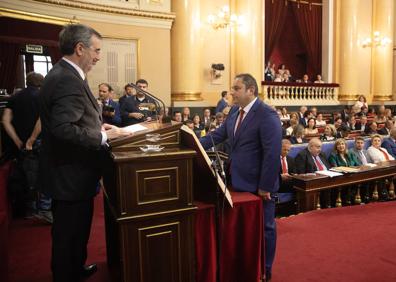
308	186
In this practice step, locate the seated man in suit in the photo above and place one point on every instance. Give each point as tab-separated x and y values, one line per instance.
286	192
360	152
387	128
311	159
390	143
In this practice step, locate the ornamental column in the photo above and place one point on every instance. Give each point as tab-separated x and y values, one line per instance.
348	49
186	56
248	44
383	22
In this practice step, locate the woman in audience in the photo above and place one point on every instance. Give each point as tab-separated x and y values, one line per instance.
320	122
293	122
376	152
341	156
198	126
380	118
361	102
329	133
281	69
388	114
298	135
186	114
311	127
284	117
319	79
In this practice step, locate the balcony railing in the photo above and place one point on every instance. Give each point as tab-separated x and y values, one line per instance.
280	93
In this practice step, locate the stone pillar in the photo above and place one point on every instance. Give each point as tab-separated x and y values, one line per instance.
248	44
186	56
383	22
348	49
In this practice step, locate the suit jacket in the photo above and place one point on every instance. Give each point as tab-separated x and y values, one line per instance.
116	119
287	186
131	105
368	158
351	160
390	145
305	163
221	105
70	159
255	148
383	131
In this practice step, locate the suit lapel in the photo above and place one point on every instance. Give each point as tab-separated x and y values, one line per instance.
91	97
247	120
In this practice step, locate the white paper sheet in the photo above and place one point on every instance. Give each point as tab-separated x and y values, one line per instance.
134	128
328	173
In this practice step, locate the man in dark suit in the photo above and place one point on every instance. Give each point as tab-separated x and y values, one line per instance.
390	143
287	168
360	152
311	159
72	149
254	133
387	128
110	108
222	103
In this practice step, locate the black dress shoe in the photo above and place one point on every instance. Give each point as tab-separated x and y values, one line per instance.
88	270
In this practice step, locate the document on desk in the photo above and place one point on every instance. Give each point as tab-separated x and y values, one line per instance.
134	128
328	173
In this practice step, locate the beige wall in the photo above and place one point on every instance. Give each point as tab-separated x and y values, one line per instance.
153	53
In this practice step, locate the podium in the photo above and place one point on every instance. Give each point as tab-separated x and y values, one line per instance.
149	208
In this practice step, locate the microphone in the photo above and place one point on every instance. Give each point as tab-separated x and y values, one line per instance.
157	102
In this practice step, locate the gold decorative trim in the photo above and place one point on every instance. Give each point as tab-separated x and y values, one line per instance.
348	97
110	9
186	96
35	17
382	98
148	215
306	2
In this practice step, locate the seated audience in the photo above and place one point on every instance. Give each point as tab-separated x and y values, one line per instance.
190	124
390	143
110	108
222	103
268	74
305	79
198	126
343	131
278	78
371	128
298	135
282	69
320	122
352	124
319	79
360	103
388	114
207	119
376	152
338	122
311	159
301	112
219	120
345	114
329	133
360	152
314	112
177	116
311	127
341	156
186	114
290	77
363	124
387	128
293	124
287	168
284	117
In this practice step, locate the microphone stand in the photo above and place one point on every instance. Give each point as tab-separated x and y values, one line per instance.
218	166
156	102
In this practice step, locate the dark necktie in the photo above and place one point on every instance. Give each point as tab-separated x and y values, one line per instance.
241	113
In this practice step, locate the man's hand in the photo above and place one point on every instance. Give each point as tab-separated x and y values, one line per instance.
113	131
136	115
285	177
266	196
29	144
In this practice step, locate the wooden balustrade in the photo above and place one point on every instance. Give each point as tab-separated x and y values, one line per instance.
280	94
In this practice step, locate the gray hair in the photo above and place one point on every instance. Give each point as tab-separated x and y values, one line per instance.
72	34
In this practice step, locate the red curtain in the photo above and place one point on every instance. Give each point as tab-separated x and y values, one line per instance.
309	21
9	53
275	17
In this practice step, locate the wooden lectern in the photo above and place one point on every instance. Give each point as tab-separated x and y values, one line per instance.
149	208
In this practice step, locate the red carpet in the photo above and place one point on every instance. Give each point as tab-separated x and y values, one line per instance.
351	244
354	244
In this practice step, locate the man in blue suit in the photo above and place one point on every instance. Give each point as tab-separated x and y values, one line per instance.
222	102
390	143
255	135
